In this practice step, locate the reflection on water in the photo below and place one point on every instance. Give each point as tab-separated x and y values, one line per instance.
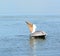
34	40
33	44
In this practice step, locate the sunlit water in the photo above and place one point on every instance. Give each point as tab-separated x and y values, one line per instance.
15	39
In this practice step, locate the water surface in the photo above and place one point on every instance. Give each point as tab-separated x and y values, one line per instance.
15	39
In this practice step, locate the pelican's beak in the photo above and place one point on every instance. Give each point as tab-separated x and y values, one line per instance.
30	25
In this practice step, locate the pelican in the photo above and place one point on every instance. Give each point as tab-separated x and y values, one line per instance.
33	32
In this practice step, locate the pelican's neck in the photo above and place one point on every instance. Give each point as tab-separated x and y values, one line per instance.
34	28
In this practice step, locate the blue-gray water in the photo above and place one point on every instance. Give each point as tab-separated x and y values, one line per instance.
15	40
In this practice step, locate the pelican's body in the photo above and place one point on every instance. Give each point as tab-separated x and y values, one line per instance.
34	33
38	33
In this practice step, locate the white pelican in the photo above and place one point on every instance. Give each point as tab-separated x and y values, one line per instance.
34	33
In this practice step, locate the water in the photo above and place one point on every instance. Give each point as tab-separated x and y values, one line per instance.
15	39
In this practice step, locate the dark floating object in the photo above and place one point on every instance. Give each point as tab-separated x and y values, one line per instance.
34	33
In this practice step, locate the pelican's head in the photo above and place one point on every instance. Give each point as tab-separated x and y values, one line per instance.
32	27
